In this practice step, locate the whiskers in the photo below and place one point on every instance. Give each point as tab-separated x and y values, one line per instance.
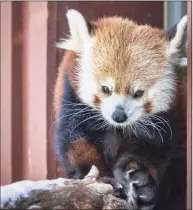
158	124
64	105
60	118
153	126
77	110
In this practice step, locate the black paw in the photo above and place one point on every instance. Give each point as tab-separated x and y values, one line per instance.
139	186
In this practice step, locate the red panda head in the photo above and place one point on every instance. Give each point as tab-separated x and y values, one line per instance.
124	70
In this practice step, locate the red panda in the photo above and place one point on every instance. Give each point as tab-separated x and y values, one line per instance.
117	106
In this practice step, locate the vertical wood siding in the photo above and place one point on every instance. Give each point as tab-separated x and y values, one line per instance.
34	82
6	93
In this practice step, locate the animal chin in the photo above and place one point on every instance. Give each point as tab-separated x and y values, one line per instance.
124	124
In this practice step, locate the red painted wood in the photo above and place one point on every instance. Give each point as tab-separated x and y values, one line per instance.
51	78
6	93
34	73
17	53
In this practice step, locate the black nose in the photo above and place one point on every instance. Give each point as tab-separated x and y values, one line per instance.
119	116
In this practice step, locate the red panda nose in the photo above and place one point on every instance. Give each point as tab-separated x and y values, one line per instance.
119	116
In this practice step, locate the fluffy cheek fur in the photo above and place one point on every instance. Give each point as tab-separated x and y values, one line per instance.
162	94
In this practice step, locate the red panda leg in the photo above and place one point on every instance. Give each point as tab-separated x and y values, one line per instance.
140	182
80	157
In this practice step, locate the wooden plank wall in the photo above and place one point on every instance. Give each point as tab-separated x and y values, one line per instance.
23	91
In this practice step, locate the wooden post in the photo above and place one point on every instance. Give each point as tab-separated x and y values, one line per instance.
6	92
35	16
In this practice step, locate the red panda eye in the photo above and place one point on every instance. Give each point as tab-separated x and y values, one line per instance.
138	94
106	90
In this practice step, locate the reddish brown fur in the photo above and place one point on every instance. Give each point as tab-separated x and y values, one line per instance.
153	173
128	53
96	101
82	153
133	164
141	60
148	107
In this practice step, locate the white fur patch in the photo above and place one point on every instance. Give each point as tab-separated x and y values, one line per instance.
87	85
183	62
163	92
131	195
79	34
176	41
108	81
133	109
81	42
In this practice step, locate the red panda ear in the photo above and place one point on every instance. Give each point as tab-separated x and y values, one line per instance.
169	33
90	27
79	32
177	42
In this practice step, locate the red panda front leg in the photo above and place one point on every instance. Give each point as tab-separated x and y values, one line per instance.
80	157
140	183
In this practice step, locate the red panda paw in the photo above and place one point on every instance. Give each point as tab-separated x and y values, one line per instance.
139	186
140	189
118	190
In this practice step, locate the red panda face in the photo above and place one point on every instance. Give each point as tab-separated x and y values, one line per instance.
125	70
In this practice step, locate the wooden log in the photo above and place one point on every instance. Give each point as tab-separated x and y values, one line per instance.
87	193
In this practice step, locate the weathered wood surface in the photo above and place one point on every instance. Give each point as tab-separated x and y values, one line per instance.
87	193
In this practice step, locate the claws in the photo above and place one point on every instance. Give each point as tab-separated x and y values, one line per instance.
139	187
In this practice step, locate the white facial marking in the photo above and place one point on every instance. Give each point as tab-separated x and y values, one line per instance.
108	81
163	92
132	108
